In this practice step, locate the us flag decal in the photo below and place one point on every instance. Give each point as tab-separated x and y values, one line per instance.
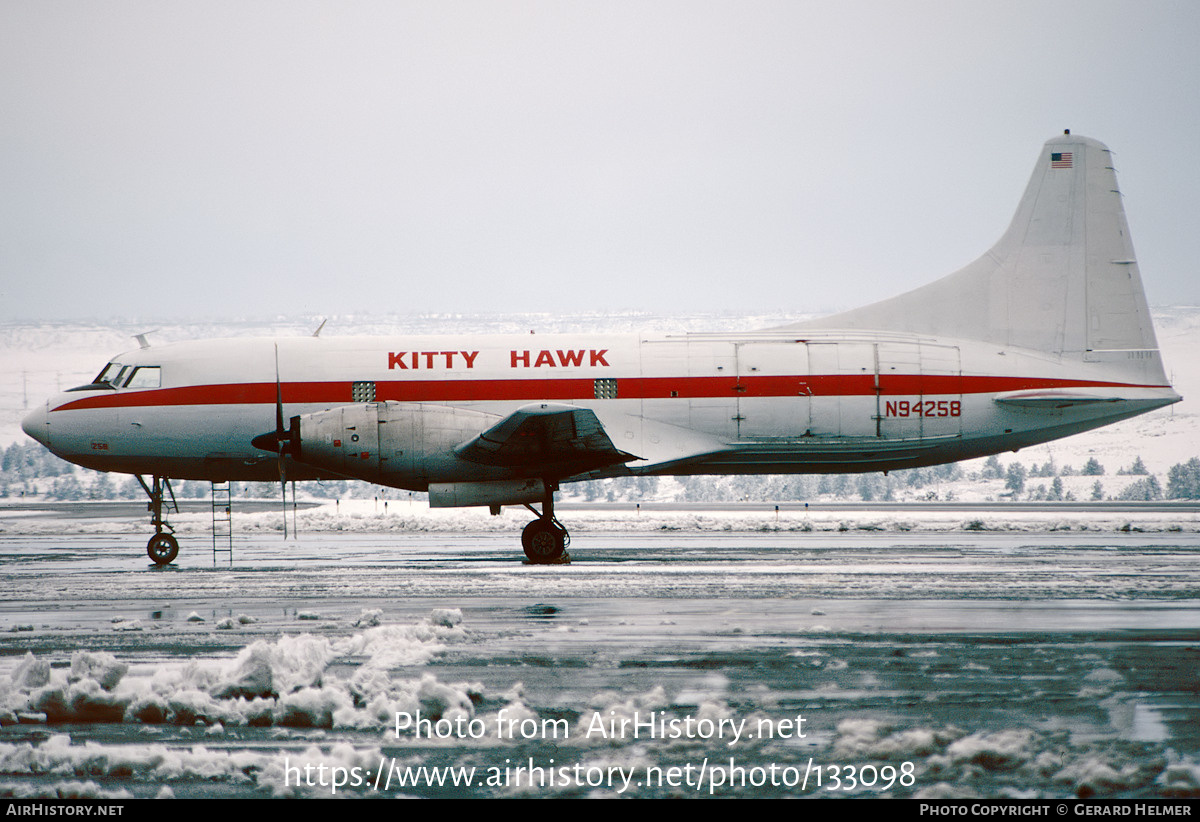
1060	160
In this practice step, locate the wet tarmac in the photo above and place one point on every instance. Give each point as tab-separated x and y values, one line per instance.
655	664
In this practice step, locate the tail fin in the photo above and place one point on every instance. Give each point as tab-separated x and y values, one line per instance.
1062	280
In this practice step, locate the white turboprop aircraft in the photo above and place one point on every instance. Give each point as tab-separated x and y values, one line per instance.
1045	335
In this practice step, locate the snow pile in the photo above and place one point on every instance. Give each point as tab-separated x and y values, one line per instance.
860	738
71	789
1180	778
615	710
924	762
141	763
949	762
285	682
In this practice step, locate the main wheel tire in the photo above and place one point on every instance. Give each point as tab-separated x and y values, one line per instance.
543	541
162	548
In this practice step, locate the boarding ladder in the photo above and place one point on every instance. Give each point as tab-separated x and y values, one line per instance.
222	520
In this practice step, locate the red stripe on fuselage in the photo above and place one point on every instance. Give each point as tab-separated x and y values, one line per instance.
578	389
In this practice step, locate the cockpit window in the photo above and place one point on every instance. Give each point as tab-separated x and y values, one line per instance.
115	375
145	376
108	373
107	378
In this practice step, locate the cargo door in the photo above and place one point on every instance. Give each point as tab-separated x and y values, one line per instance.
843	381
772	390
920	391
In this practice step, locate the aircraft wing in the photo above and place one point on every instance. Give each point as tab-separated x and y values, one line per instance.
555	438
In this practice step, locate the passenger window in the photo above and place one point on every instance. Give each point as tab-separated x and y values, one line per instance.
146	376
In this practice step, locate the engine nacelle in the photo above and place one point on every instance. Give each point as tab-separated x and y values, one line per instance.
404	445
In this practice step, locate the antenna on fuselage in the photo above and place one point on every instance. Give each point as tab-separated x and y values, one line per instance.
141	338
317	333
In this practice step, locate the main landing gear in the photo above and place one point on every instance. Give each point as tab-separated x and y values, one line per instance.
545	540
162	547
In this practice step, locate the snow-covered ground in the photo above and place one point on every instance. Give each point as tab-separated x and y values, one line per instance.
398	517
934	665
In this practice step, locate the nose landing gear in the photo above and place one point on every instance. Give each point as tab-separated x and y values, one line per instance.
162	547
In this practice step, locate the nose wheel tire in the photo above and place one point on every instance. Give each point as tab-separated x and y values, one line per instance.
162	548
544	541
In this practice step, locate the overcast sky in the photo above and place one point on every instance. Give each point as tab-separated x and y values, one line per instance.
251	159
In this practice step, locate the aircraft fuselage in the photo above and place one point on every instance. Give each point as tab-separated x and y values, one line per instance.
689	404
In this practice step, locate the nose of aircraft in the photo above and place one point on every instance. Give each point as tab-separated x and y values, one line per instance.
37	424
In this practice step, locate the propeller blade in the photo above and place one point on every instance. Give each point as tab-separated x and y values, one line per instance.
283	488
279	440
